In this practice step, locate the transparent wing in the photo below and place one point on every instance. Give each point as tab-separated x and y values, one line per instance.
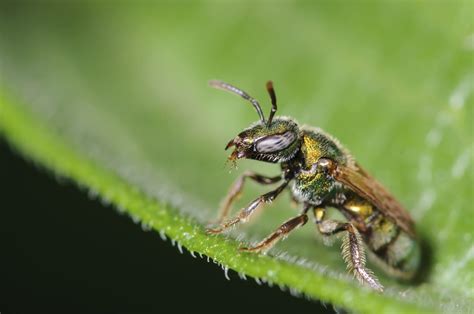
366	186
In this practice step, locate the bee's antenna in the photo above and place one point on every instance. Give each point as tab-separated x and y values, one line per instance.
241	93
271	91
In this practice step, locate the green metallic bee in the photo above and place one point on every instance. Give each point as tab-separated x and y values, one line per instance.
322	174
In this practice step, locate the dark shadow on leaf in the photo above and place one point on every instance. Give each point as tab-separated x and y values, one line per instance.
426	264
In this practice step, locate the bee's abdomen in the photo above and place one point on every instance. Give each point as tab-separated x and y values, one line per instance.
394	250
397	251
401	256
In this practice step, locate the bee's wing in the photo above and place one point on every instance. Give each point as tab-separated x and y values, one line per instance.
366	186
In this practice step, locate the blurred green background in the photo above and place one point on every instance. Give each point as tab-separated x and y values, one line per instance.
126	85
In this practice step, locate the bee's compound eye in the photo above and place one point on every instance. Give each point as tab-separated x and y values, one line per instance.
275	143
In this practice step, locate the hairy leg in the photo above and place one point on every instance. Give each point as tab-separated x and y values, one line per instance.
352	247
246	212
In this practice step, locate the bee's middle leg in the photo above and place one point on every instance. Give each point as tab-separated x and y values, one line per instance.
246	212
280	233
352	247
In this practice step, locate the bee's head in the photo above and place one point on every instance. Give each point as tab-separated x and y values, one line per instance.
273	140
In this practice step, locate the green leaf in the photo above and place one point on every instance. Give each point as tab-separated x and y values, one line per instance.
114	97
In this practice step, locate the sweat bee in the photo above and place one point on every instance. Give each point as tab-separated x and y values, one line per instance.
321	174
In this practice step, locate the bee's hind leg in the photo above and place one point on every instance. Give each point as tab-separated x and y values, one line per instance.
280	233
352	247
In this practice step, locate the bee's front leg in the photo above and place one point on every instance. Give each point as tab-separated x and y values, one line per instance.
352	247
246	212
237	187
